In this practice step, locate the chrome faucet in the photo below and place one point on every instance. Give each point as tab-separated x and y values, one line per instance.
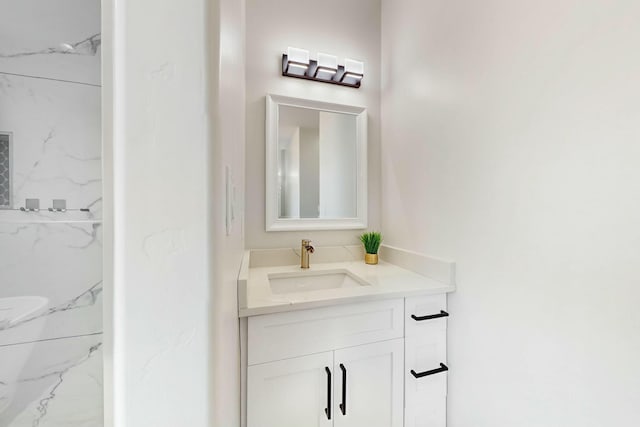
305	250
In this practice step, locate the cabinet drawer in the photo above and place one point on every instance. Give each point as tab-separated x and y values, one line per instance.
430	412
425	309
425	355
285	335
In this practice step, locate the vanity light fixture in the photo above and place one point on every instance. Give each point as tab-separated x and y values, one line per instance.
296	63
353	71
327	66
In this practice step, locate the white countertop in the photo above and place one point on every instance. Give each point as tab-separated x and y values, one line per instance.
384	281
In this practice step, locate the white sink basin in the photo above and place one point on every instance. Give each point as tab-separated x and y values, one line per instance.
287	283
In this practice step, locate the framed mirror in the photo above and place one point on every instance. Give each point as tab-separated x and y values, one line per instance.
316	165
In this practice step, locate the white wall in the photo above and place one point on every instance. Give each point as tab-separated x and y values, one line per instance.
510	144
346	29
161	283
172	350
228	120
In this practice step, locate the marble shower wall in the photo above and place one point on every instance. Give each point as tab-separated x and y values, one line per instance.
50	95
55	39
56	140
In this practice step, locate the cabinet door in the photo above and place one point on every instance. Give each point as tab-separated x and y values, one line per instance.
291	393
368	389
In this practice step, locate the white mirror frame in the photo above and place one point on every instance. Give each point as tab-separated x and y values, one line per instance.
273	221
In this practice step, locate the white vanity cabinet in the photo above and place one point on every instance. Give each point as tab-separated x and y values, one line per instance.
425	374
333	366
368	364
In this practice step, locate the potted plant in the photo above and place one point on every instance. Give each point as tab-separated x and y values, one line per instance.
371	242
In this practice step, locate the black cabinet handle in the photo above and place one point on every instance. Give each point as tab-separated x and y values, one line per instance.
327	410
343	405
429	317
442	368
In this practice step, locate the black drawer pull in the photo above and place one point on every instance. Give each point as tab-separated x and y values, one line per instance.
442	368
327	410
431	316
343	405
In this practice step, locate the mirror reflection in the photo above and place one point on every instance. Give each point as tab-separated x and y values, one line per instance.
317	163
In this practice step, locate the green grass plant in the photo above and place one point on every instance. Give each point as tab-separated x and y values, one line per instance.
371	241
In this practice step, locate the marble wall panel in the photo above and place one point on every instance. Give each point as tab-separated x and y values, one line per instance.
57	39
56	140
61	261
60	383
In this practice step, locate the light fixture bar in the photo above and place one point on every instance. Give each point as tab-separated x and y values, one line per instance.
325	70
